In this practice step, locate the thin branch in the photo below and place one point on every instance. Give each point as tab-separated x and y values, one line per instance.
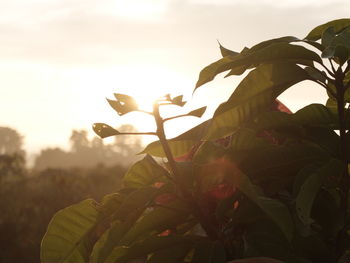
329	72
333	68
197	212
138	133
147	112
175	117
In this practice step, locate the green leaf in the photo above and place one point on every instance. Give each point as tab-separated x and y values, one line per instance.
269	42
104	130
311	186
273	208
338	26
124	104
256	92
198	112
339	47
179	145
316	74
127	101
178	101
226	52
159	219
110	203
144	173
144	247
207	251
67	236
111	238
327	36
207	152
137	199
317	115
277	52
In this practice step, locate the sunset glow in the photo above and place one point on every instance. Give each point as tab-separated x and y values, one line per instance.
61	59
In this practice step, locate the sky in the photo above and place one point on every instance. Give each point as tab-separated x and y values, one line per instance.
61	59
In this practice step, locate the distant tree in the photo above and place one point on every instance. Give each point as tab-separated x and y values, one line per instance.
12	165
53	158
87	153
12	156
79	140
10	141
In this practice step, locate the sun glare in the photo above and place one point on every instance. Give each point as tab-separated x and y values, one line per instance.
144	82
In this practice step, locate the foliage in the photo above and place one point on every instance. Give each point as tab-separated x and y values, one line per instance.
89	153
255	180
10	141
28	203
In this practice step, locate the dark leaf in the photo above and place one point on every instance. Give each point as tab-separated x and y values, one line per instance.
143	248
103	130
198	112
338	26
277	52
311	186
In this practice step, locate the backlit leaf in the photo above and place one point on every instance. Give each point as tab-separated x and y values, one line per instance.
179	145
198	112
144	173
67	236
273	53
103	130
159	219
256	92
338	25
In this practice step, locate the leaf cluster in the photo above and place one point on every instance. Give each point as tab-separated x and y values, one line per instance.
254	181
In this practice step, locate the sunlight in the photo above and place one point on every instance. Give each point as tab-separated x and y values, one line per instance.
145	82
139	9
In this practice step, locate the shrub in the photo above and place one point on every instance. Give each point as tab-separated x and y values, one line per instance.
257	183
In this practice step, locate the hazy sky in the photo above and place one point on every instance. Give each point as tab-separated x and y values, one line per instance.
60	59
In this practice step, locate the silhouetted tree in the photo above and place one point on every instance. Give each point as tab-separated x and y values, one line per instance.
10	141
79	141
12	156
53	158
89	153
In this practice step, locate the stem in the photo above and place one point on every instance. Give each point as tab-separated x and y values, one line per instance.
175	117
345	183
333	68
328	71
138	133
180	187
